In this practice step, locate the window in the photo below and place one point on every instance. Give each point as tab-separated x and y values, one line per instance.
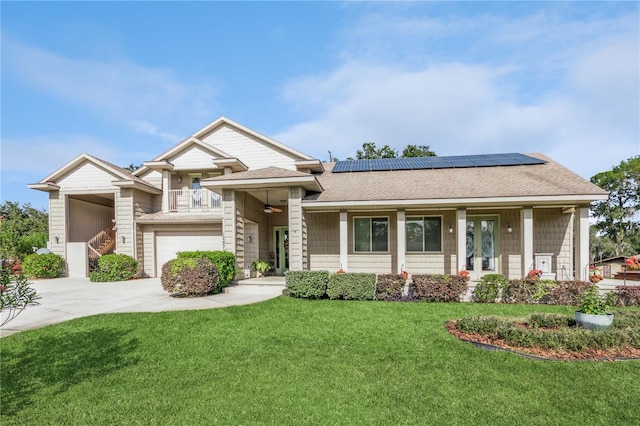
371	234
424	234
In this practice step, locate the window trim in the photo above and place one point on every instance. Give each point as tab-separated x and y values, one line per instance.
371	251
424	245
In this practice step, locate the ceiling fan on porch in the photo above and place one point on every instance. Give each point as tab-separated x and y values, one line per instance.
268	208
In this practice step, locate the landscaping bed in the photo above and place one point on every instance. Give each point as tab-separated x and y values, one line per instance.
553	337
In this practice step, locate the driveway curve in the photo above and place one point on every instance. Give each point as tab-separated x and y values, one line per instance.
63	299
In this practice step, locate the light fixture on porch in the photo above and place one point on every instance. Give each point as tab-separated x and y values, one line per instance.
123	239
249	238
57	239
179	179
450	229
509	229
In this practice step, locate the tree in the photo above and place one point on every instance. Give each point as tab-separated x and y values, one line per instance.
369	151
617	217
417	151
21	229
601	246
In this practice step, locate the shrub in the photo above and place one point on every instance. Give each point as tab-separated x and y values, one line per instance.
190	277
224	261
389	287
307	284
114	267
528	291
550	321
439	288
627	295
592	303
48	265
489	287
352	286
568	292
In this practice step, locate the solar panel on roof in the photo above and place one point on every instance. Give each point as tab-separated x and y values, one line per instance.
422	163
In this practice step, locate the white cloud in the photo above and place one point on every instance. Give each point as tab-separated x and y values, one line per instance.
143	98
587	116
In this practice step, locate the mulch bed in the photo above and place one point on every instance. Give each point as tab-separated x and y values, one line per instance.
491	344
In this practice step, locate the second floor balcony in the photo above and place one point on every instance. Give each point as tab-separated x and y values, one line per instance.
193	200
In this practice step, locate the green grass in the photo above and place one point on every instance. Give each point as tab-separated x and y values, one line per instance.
290	361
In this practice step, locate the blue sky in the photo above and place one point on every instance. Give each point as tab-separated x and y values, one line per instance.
125	81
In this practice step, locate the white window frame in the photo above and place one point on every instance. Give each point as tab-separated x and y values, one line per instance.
424	235
371	234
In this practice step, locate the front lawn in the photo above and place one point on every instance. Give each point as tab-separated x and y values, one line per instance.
291	361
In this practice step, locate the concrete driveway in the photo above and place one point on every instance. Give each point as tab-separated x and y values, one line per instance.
63	299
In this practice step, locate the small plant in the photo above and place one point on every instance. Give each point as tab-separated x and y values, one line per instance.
341	271
534	274
592	303
464	274
633	263
260	266
15	294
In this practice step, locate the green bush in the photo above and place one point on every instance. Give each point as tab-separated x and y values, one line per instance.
114	267
389	287
224	261
307	284
48	265
439	288
488	288
352	286
190	277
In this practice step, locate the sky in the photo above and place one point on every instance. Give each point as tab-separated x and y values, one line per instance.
125	81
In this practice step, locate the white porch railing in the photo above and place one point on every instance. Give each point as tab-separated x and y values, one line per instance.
190	200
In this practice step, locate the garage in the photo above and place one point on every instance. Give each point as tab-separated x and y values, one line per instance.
168	243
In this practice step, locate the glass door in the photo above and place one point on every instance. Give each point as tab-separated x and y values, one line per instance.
482	238
281	241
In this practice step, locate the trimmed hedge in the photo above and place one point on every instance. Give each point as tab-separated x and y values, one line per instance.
190	277
528	291
568	292
389	287
307	284
439	288
48	265
114	267
627	295
352	286
225	263
488	288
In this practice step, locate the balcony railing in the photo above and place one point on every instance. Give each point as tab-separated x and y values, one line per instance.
193	200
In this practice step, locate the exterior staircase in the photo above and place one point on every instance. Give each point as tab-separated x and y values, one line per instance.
102	243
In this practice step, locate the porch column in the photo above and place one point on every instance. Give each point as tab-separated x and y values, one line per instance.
297	230
402	241
461	240
344	241
229	220
526	219
165	191
582	244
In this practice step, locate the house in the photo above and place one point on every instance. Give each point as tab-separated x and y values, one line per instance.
614	267
227	187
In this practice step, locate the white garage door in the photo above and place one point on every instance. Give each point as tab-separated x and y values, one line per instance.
168	243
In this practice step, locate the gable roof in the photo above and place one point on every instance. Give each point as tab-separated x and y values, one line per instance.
124	175
548	183
183	145
200	134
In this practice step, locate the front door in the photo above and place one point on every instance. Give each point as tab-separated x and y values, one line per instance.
281	241
482	239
